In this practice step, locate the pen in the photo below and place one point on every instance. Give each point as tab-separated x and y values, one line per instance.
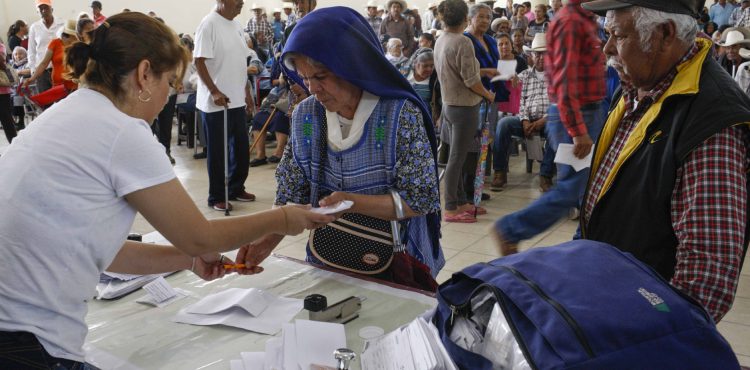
235	266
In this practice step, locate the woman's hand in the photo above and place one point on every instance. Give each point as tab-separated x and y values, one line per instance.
299	218
209	267
514	81
254	253
28	82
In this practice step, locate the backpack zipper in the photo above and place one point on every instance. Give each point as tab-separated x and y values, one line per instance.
557	306
460	309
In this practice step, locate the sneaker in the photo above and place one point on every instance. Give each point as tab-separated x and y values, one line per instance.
545	183
258	162
243	197
501	178
221	206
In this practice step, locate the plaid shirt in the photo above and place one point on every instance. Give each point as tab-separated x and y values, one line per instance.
576	65
534	98
707	207
254	25
744	19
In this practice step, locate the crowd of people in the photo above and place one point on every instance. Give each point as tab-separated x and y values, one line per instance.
368	107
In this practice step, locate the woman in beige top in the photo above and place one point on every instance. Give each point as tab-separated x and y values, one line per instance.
462	90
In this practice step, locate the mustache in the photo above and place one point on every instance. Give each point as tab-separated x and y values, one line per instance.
611	62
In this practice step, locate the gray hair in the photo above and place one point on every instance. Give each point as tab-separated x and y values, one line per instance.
393	41
291	59
423	55
474	10
20	48
646	20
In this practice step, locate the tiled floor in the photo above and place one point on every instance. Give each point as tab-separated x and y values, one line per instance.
463	244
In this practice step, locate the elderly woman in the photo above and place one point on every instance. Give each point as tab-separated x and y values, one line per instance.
462	90
20	64
423	79
362	135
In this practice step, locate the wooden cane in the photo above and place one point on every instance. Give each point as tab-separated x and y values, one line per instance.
263	130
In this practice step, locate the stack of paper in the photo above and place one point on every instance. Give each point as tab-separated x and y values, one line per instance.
304	345
250	309
415	346
113	285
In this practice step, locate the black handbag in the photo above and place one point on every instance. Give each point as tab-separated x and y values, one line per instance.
355	243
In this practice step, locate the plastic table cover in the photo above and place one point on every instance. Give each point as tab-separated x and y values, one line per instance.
124	334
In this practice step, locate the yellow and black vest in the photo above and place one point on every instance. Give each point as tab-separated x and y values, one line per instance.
633	210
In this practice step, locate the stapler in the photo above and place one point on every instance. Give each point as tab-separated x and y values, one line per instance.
341	312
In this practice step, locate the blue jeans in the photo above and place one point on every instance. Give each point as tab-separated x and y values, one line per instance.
239	157
506	129
567	192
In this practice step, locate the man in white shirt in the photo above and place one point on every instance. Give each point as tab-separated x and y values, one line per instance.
221	61
41	33
429	17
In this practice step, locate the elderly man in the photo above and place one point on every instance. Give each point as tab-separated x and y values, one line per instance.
259	27
41	33
289	12
96	11
395	25
734	19
669	176
277	25
428	17
372	16
531	119
221	61
732	40
575	69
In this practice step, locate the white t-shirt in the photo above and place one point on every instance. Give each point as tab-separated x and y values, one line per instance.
39	38
63	216
220	41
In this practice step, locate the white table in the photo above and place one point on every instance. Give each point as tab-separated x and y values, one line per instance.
124	334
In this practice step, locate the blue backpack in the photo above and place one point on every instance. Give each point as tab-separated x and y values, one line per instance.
585	305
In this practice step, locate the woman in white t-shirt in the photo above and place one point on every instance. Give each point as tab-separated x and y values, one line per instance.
73	183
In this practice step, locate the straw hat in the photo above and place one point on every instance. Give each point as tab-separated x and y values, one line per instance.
431	6
538	45
496	23
735	36
255	7
70	27
276	10
287	6
390	2
372	4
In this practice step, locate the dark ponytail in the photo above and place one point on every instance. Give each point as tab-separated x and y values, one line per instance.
117	47
15	27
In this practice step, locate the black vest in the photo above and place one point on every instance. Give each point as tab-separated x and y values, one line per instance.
634	214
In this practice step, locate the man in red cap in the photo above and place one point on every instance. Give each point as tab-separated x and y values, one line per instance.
41	33
669	178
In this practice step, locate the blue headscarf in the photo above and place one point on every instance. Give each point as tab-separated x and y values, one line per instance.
343	41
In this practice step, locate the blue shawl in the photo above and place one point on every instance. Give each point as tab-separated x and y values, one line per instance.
343	41
488	59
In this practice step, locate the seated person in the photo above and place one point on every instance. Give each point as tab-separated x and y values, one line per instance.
362	134
395	55
272	115
530	120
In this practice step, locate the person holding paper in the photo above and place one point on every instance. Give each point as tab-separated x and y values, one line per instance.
362	134
462	91
531	120
575	70
78	181
673	153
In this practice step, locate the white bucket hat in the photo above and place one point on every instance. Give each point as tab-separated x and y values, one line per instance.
539	44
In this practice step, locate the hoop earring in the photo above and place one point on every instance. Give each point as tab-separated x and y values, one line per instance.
142	99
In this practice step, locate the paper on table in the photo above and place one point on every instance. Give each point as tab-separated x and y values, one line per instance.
316	342
236	365
565	156
336	208
289	349
149	299
280	310
253	360
252	300
160	289
506	69
273	358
